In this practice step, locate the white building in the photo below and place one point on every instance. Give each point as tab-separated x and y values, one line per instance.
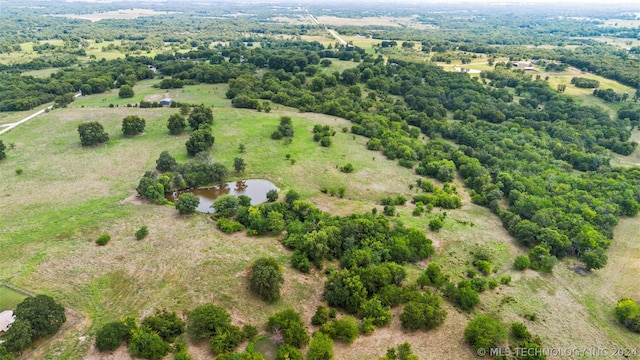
6	319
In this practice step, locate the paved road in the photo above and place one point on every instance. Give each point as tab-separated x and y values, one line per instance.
7	127
331	32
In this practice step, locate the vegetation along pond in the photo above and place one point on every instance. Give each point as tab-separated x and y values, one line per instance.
256	189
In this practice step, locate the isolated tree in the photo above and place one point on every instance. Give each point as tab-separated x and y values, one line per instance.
126	91
19	336
266	278
199	141
272	195
2	149
92	133
206	321
176	124
132	125
484	332
239	164
200	115
522	262
165	162
43	314
321	347
290	326
187	203
111	335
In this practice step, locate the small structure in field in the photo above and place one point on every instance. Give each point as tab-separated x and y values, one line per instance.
165	102
6	319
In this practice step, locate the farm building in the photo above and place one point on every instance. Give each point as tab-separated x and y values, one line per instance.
165	102
6	319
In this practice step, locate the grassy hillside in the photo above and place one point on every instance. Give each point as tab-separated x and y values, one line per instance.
68	195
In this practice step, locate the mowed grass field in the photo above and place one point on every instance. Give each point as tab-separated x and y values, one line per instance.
9	298
68	195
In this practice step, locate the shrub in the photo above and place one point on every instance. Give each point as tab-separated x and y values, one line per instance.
226	340
176	124
484	332
148	345
505	279
206	321
519	331
345	329
436	224
111	335
288	352
187	203
126	91
18	171
266	278
321	347
272	195
142	232
321	316
229	226
166	324
2	150
226	206
377	313
92	133
289	325
103	239
522	262
627	311
484	266
300	261
132	125
347	168
249	331
425	312
165	162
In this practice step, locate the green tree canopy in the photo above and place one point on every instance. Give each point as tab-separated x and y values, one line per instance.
266	278
92	133
43	314
133	125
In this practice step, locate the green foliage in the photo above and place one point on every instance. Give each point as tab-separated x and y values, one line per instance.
3	155
42	313
176	124
522	262
288	352
187	203
166	324
111	335
165	162
425	312
300	261
103	239
347	168
92	133
272	195
266	278
19	336
142	232
541	259
148	345
199	141
249	331
206	321
484	266
436	223
378	314
403	352
225	206
321	347
321	316
345	329
239	165
229	226
286	127
289	325
200	116
226	340
432	276
133	125
627	311
519	331
126	91
344	289
484	332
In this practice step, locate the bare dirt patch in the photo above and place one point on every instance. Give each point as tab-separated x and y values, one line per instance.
156	97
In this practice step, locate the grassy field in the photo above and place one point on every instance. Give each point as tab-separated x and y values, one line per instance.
9	298
69	195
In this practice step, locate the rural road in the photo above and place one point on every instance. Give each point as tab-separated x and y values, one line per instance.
7	127
331	32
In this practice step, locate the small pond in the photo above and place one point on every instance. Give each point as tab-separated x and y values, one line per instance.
256	189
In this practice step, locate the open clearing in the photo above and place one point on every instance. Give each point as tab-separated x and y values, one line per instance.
68	195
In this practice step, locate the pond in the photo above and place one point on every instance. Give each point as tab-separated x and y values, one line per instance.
256	189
